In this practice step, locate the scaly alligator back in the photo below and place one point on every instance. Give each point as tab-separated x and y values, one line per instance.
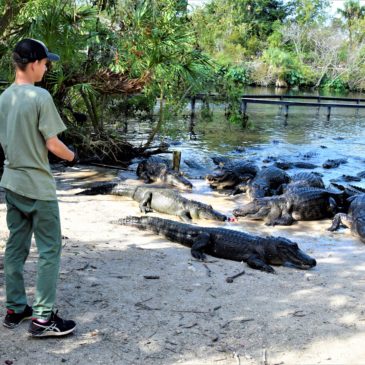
309	203
175	231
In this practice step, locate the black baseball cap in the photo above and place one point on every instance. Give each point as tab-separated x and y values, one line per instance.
30	50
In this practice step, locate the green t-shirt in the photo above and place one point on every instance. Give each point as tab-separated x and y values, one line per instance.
28	117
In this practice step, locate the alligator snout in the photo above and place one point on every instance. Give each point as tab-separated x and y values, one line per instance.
309	264
178	180
301	260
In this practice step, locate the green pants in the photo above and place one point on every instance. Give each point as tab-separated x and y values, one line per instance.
26	216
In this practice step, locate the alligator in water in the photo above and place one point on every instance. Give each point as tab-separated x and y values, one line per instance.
156	169
355	219
258	252
159	199
302	203
285	165
346	178
330	164
267	182
361	174
231	173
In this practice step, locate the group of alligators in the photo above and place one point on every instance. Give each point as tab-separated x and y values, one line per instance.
282	199
274	196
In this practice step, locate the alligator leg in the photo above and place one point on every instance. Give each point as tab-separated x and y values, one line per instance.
255	262
284	220
145	203
340	218
185	216
275	216
332	209
202	241
258	215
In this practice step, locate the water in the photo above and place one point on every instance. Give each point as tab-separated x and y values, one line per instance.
306	135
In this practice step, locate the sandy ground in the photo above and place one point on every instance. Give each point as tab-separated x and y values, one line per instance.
189	314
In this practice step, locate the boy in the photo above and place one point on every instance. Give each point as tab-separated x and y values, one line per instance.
29	125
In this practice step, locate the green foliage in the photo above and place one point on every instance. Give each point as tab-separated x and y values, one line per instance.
308	11
353	14
239	28
337	84
111	48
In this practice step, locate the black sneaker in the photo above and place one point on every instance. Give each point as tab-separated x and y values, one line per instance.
55	326
13	319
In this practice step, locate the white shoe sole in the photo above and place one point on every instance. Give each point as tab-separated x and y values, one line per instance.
52	333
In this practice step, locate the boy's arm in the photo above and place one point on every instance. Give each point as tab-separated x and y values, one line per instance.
59	149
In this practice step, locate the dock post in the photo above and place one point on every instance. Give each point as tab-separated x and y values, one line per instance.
243	107
286	110
176	158
281	106
193	100
328	113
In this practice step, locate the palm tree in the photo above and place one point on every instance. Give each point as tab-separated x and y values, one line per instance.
352	12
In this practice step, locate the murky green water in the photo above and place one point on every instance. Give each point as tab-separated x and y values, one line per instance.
306	135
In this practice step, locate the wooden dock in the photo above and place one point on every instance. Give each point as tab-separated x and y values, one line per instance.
320	102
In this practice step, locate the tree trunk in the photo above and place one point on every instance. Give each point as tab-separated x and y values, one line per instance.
90	111
159	123
12	9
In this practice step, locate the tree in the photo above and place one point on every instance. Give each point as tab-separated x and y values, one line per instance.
306	12
352	13
157	39
239	28
9	10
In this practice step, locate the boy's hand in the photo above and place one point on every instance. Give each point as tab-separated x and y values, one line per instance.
74	161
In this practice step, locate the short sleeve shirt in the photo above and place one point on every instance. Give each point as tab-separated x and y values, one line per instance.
28	117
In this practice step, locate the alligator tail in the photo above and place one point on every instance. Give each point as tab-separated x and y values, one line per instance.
130	220
111	188
169	228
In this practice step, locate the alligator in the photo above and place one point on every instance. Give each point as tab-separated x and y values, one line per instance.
159	199
302	203
330	164
285	165
231	173
361	174
258	252
267	182
347	178
355	219
304	179
345	194
238	165
195	169
156	169
349	189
